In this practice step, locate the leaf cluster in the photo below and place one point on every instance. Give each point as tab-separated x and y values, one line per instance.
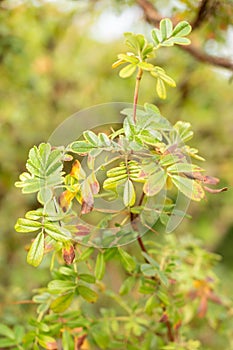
140	51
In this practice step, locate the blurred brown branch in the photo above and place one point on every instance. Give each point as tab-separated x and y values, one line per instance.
201	14
152	16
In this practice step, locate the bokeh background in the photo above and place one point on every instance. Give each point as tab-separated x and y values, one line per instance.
55	59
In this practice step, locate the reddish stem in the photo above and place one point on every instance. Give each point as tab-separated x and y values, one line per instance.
136	91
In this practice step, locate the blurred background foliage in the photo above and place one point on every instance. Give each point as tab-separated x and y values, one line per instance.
55	59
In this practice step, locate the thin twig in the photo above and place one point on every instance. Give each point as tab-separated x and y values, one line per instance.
136	91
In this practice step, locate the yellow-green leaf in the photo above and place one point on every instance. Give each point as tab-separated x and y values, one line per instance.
127	260
27	225
36	251
155	183
127	71
166	28
62	303
129	195
182	29
100	266
189	188
88	294
160	88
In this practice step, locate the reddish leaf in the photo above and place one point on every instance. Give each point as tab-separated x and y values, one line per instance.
203	178
67	158
51	346
68	253
214	298
190	188
177	325
164	318
86	207
217	190
80	341
202	308
155	183
94	184
87	198
142	174
82	230
203	291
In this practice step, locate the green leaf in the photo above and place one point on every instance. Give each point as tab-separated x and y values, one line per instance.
166	28
168	80
61	286
117	171
28	183
86	254
112	182
100	335
156	35
47	342
62	303
151	303
19	333
159	73
128	58
160	88
127	71
127	285
67	340
169	159
36	251
129	195
163	278
67	271
183	129
104	139
7	343
127	260
155	183
56	232
44	195
188	187
27	225
81	147
117	63
148	270
91	137
110	253
179	41
100	266
151	139
129	128
88	294
163	297
150	108
150	260
182	29
86	277
43	161
45	166
34	214
6	331
145	66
